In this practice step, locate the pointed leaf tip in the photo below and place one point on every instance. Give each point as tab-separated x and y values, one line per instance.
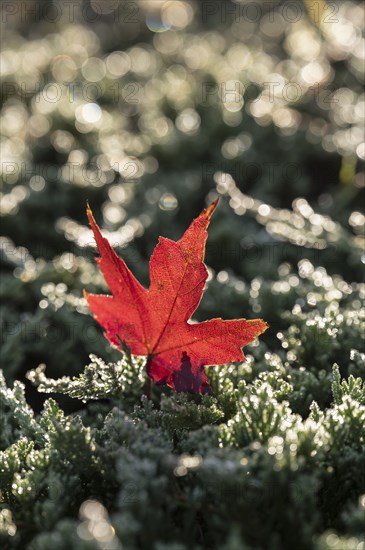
210	209
89	213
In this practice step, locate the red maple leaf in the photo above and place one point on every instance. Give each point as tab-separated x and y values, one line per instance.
154	322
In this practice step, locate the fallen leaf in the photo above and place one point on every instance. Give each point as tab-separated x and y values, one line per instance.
154	322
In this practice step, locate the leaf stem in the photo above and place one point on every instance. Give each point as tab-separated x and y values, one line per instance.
148	388
148	380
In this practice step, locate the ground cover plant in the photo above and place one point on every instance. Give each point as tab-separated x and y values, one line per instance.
151	111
